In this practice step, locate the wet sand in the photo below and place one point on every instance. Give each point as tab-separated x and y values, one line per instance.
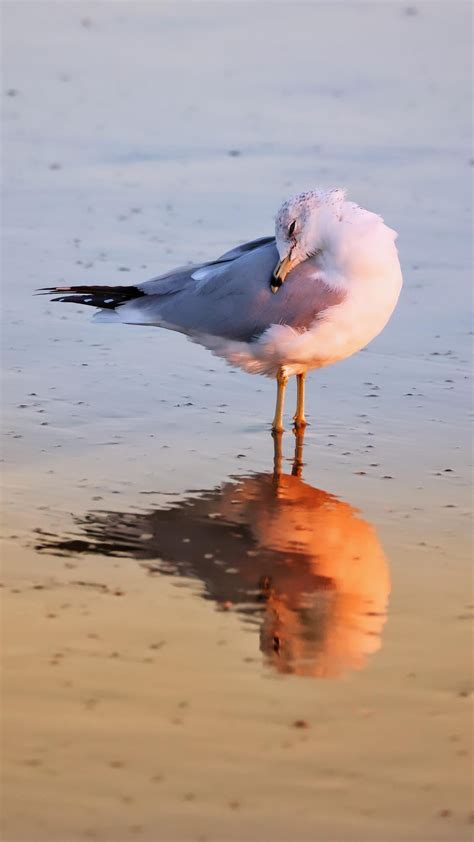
197	647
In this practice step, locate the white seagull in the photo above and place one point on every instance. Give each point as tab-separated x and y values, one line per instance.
318	291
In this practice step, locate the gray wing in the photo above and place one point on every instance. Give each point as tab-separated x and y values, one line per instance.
177	279
238	251
231	298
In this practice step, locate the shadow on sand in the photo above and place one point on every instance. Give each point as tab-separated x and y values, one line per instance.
295	561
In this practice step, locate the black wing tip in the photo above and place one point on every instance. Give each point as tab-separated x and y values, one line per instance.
50	290
104	297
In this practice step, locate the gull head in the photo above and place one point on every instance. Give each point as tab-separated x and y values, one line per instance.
300	228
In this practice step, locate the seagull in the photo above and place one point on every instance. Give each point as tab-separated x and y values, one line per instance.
315	293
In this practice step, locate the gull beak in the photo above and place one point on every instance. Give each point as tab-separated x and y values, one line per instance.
283	269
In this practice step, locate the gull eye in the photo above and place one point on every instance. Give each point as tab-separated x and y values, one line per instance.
291	229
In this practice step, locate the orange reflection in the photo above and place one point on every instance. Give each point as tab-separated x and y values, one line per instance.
297	560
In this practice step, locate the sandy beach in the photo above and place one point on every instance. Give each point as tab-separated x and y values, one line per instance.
194	649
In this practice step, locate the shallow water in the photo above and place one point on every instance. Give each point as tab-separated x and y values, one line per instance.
205	641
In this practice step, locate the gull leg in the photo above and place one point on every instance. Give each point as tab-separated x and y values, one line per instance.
299	417
282	380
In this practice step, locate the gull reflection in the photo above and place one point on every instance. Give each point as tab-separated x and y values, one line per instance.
293	559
